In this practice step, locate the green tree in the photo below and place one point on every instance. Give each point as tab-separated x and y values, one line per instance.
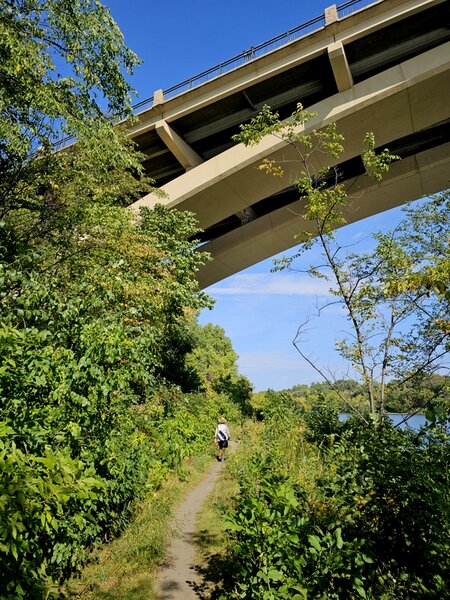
388	321
214	362
409	397
212	356
89	294
426	234
61	63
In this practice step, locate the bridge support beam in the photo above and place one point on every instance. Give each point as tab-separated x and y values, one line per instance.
340	67
184	154
372	77
419	175
402	100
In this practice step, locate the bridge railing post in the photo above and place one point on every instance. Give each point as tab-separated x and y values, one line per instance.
331	14
158	97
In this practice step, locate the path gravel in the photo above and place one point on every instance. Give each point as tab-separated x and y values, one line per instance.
180	580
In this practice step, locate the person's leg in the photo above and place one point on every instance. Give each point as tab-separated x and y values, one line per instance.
223	446
221	450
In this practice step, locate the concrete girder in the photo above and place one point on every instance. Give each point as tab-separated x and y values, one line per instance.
361	23
339	64
404	99
396	104
185	155
414	177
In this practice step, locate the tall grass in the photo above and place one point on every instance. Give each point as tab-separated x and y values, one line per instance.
126	568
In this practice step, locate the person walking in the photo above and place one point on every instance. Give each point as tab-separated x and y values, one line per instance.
222	435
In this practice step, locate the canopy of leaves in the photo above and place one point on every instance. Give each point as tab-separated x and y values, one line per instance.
214	363
60	61
93	301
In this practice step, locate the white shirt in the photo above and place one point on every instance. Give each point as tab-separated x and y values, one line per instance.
224	429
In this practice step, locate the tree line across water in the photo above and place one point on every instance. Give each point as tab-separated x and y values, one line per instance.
344	394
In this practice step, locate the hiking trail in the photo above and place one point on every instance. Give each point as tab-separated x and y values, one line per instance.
180	578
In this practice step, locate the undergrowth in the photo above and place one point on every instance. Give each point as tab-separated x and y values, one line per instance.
357	512
126	568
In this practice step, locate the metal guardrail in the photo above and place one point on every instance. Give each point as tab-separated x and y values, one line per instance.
347	8
343	10
246	56
235	62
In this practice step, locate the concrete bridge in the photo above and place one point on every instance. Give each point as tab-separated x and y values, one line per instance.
382	68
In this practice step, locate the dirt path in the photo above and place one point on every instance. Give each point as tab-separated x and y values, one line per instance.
180	580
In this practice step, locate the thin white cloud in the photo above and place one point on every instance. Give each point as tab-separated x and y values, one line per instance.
279	370
261	361
270	284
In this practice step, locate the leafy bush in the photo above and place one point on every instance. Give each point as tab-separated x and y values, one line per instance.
80	351
390	489
279	549
48	517
269	526
322	421
373	521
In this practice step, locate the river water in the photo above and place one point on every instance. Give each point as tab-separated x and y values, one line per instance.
414	421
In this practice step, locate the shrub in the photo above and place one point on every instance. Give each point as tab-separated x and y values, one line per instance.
375	524
48	511
322	421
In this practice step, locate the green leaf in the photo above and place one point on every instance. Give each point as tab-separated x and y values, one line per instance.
339	540
315	542
275	575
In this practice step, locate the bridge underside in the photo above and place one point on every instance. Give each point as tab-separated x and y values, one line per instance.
384	69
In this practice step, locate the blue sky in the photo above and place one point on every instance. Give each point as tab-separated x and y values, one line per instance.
260	311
